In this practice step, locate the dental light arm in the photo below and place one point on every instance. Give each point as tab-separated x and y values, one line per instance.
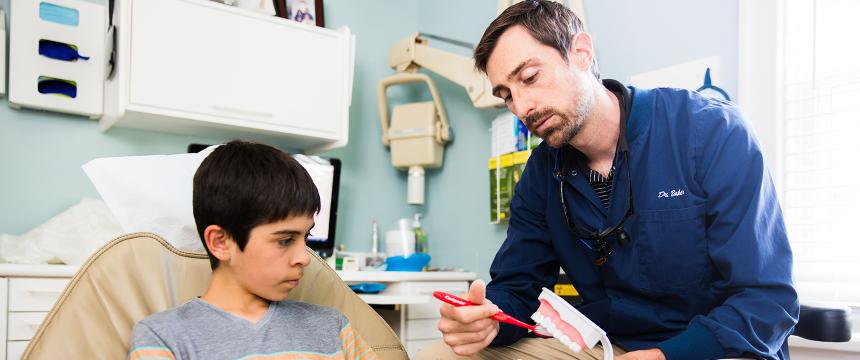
412	53
442	133
417	132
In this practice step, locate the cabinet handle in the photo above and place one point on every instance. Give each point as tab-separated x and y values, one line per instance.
242	111
45	292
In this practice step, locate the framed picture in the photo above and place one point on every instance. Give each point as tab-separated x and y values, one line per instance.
303	11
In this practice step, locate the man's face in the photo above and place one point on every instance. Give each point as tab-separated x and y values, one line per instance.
274	257
551	95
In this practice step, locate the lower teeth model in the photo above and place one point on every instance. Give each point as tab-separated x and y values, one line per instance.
568	325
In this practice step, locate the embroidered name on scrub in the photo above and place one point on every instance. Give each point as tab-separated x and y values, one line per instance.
671	193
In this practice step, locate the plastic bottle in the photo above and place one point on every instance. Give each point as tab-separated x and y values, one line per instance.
421	245
374	261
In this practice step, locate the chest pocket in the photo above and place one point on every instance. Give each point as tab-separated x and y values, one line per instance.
673	248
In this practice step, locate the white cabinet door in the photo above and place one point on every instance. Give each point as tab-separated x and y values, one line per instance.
414	346
299	82
182	55
16	349
4	296
216	64
23	325
35	294
430	310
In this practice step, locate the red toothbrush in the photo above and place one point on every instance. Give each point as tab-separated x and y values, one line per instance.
499	316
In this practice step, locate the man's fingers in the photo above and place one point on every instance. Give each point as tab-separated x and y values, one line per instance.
468	314
477	292
474	348
481	334
469	329
463	338
448	326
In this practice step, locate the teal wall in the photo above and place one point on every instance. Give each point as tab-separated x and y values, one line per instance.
457	206
41	153
634	36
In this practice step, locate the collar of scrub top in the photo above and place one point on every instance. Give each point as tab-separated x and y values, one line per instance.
597	241
711	90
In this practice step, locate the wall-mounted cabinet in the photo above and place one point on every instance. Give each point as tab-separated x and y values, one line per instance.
199	67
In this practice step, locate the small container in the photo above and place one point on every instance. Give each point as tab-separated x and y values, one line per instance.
420	235
415	262
400	241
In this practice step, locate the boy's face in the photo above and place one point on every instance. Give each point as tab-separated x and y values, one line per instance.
274	257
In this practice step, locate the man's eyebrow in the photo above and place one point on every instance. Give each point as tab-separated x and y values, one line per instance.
510	76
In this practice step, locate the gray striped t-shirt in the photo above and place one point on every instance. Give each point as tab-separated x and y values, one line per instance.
289	330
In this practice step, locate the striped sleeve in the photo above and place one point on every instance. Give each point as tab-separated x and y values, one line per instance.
354	346
146	344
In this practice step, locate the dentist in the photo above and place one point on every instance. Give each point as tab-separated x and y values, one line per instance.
656	202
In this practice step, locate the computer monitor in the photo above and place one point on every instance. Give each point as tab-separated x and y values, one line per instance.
325	173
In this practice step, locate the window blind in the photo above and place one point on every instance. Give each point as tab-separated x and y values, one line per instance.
821	147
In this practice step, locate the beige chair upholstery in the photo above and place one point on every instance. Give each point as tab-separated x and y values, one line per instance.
140	274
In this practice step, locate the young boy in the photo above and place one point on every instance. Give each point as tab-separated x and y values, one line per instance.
254	207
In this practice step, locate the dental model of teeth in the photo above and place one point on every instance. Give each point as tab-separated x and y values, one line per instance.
561	320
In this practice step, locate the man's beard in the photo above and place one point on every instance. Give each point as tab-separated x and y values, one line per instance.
570	125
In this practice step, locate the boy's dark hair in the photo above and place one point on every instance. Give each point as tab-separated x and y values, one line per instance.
549	22
241	185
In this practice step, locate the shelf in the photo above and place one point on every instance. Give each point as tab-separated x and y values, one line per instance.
37	270
381	299
396	276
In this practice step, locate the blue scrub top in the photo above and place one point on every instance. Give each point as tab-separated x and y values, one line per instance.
707	272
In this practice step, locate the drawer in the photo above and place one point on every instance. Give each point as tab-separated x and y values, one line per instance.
424	329
414	346
23	325
430	310
428	287
35	294
14	349
423	311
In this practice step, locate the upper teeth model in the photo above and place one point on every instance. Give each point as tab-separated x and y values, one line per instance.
568	325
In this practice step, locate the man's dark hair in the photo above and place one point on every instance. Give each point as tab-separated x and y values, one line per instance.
551	23
241	185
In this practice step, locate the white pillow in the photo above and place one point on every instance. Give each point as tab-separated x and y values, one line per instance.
151	193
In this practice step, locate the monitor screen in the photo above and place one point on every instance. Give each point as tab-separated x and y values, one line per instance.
325	173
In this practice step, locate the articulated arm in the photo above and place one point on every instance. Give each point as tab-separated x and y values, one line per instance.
412	53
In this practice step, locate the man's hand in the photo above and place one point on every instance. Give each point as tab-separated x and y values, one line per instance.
650	354
469	329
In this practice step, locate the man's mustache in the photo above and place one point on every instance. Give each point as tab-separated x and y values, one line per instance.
540	115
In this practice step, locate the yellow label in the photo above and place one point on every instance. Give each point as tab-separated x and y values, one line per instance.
521	157
506	160
565	290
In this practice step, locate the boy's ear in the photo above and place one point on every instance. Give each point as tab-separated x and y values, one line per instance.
218	241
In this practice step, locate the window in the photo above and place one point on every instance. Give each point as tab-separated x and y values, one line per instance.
820	143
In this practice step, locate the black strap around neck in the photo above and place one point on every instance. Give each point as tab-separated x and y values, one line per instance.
624	104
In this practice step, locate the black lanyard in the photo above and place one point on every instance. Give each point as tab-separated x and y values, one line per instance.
597	241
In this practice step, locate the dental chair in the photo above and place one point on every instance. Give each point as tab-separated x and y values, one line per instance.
139	274
824	323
